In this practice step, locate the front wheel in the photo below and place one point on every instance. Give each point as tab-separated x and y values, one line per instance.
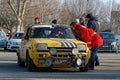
30	64
84	69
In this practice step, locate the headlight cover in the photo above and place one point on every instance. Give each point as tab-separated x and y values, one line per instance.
53	51
75	51
11	42
81	47
41	47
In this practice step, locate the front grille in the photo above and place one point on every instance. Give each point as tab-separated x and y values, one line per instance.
107	45
61	55
60	50
106	48
14	47
107	42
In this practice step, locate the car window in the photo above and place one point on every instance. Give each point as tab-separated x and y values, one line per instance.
17	36
54	32
107	36
2	35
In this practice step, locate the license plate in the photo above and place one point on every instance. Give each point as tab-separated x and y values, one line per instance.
63	61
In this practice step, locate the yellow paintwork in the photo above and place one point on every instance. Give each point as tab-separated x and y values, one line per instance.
30	47
34	55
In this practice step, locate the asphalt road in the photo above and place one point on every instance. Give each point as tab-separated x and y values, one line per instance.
109	69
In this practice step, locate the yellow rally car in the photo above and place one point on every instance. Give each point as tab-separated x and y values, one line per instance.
52	46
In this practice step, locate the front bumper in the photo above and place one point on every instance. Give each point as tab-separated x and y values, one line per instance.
61	60
12	47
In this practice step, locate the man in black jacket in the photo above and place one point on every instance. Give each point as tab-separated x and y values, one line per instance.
93	24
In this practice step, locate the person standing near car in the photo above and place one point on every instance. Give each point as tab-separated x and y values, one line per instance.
37	20
92	22
82	21
92	39
94	25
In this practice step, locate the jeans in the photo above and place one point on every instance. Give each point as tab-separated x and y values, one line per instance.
93	57
96	59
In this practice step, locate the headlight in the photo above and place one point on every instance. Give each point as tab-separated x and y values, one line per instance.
113	43
49	62
81	47
41	47
11	42
53	51
78	62
75	51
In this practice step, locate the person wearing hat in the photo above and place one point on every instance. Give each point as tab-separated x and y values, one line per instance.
92	39
37	20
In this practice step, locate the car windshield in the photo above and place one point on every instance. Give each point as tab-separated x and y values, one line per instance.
2	35
51	32
17	36
107	36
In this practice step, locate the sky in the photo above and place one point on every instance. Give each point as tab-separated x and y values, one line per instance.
118	1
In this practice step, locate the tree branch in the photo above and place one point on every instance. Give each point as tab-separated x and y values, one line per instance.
12	7
23	8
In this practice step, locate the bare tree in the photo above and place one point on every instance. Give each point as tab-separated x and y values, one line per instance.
18	8
47	10
7	19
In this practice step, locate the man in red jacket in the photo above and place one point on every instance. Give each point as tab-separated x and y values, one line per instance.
93	40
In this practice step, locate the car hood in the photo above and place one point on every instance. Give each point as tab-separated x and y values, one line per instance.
58	42
15	40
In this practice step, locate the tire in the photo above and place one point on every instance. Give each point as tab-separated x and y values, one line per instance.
30	64
84	69
20	62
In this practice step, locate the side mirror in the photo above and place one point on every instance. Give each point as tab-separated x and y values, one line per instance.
26	37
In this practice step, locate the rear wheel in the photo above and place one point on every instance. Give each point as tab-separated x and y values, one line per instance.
20	62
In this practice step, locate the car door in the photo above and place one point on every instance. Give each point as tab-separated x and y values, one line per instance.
24	41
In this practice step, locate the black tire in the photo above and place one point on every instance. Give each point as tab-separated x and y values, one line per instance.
84	69
20	62
30	64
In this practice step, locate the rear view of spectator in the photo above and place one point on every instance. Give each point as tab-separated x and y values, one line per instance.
82	21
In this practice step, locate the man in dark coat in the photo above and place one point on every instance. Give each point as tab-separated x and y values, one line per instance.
93	24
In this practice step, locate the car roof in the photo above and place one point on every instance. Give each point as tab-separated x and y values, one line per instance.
41	25
2	32
19	32
106	33
49	26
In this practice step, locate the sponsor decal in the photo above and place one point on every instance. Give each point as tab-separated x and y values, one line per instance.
67	43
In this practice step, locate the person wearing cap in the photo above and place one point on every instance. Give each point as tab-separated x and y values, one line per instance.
92	39
37	20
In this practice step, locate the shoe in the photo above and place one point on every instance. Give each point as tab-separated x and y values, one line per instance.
97	64
91	68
